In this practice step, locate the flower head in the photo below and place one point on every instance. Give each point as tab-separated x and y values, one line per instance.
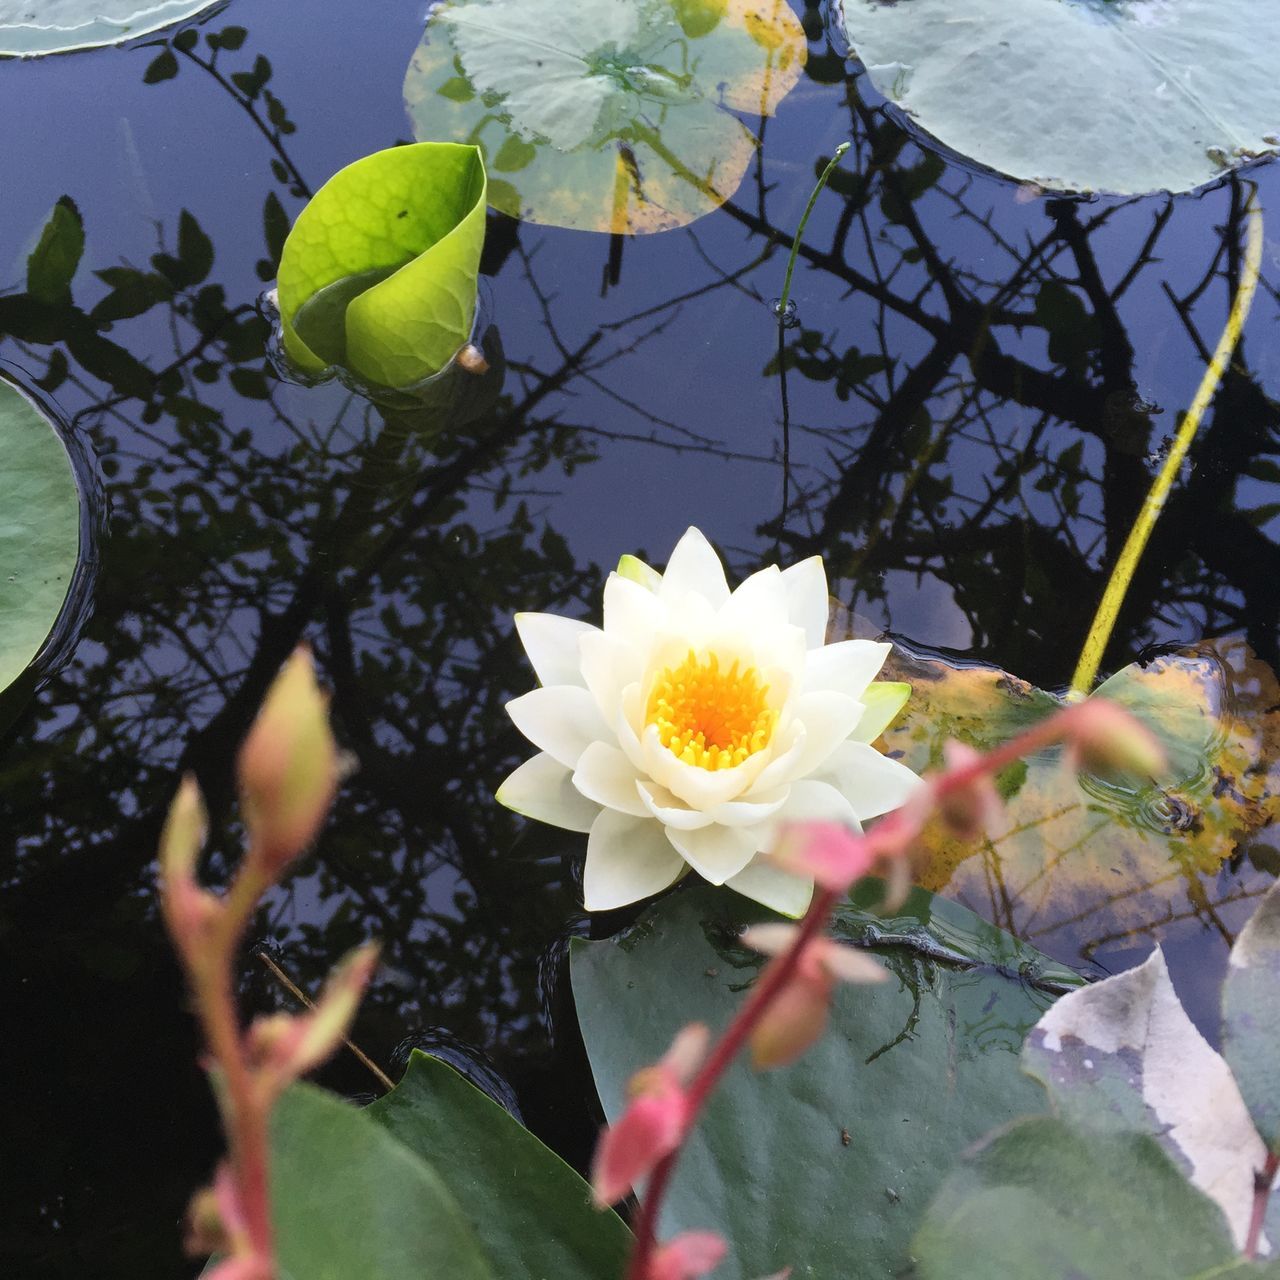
696	722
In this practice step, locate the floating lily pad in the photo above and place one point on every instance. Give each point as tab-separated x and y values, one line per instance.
56	26
827	1165
1078	862
608	115
1082	95
378	275
39	530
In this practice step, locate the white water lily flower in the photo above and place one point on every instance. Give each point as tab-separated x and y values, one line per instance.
692	725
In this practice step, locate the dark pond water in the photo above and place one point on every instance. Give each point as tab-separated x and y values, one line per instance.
982	381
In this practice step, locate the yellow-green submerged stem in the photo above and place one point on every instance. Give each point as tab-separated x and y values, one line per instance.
1122	575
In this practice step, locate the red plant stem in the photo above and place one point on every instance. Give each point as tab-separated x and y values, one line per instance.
891	836
244	1109
1262	1181
773	980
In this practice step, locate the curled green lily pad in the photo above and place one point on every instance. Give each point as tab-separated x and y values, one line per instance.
39	530
57	26
1082	95
610	115
378	275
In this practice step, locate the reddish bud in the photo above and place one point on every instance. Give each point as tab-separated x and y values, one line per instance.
654	1123
969	807
243	1267
1104	738
826	852
687	1256
288	766
189	910
797	1017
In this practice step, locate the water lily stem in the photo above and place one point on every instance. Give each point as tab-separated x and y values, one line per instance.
1122	575
836	157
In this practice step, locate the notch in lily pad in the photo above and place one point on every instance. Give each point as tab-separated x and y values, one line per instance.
378	275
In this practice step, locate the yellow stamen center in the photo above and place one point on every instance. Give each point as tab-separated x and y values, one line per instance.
711	718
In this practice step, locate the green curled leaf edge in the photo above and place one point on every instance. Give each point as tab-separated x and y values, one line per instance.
380	269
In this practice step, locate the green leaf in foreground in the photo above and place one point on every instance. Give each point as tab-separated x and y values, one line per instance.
1043	1200
1088	96
827	1165
531	1211
352	1203
54	260
55	26
39	530
378	275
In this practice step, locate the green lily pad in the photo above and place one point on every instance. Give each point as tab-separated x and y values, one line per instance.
378	275
1043	1199
39	530
349	1200
1082	95
610	115
530	1210
1078	862
56	26
826	1165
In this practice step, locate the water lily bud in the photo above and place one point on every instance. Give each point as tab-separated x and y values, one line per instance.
1104	738
655	1121
971	808
687	1256
288	766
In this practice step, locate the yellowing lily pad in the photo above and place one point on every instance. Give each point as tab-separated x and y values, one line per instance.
1079	862
611	115
1082	95
56	26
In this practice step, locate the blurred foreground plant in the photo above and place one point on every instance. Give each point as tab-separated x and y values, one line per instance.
287	771
786	1010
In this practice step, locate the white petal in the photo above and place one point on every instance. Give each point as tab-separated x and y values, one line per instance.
765	883
741	813
883	699
806	585
606	776
811	801
541	789
760	597
630	715
561	720
846	667
608	665
634	568
784	751
669	809
631	612
552	645
828	719
694	569
716	852
871	782
627	859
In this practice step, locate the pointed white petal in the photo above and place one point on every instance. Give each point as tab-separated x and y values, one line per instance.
775	889
828	719
605	775
634	568
784	751
561	720
669	810
627	859
715	852
760	598
609	664
812	801
631	612
742	813
846	667
541	789
872	783
883	699
806	585
630	715
552	645
694	569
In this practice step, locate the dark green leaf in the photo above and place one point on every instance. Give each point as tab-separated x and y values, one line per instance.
532	1213
132	293
164	66
53	262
